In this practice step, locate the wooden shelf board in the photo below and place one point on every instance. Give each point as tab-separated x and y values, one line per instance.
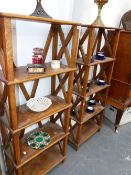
108	59
50	20
26	117
93	89
86	116
21	74
88	129
38	19
44	163
56	133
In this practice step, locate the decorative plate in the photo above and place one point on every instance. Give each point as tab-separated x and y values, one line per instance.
38	104
38	139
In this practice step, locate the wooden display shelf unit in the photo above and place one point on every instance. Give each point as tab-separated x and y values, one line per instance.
20	158
89	70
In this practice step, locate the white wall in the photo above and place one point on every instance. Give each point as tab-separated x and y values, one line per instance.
85	11
59	9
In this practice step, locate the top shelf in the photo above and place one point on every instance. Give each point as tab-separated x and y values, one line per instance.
38	19
50	20
21	74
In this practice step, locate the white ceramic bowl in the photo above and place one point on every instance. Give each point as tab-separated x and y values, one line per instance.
38	104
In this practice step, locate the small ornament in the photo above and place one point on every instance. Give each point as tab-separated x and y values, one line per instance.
39	11
90	109
24	152
101	82
100	56
92	102
98	21
37	56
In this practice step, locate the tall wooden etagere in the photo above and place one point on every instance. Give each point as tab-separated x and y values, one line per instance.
84	124
20	158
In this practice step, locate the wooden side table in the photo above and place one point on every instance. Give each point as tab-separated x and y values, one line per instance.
120	109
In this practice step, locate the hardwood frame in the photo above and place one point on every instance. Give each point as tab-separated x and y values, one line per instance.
14	121
83	124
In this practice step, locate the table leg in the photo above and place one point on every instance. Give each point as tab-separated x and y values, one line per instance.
118	118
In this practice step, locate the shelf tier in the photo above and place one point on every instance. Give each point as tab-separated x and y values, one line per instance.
56	133
94	88
21	74
106	60
86	116
50	20
88	129
26	117
44	163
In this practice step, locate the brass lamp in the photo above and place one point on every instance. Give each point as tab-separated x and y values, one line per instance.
98	20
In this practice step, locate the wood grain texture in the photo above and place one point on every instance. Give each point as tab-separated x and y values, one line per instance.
56	133
49	20
48	160
21	74
22	117
88	129
86	87
7	48
23	112
86	116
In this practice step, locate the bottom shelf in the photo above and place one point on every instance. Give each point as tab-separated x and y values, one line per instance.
44	163
88	129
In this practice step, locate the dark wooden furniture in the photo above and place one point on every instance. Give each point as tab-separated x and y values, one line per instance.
83	124
120	91
20	158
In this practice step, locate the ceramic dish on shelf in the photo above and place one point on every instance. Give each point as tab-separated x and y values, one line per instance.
38	139
100	56
89	109
92	102
101	82
38	104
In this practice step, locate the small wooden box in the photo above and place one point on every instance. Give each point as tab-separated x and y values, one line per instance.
36	68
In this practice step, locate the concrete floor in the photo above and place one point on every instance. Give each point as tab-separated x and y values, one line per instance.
106	153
